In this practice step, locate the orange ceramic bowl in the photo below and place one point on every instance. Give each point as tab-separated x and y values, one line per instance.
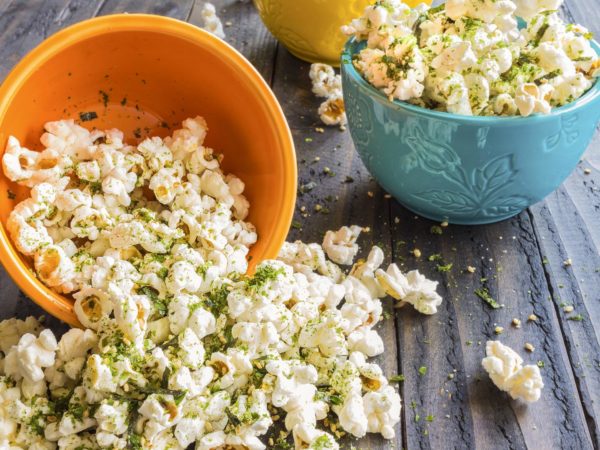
145	74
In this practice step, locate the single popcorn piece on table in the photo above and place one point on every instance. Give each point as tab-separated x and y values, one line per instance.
212	23
327	84
340	246
506	370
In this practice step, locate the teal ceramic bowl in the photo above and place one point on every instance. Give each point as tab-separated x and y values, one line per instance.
463	169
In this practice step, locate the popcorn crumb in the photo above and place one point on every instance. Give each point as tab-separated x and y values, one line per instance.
568	262
529	347
471	269
498	330
568	309
417	253
370	194
516	323
532	318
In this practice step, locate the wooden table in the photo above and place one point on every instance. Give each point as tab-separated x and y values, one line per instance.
521	261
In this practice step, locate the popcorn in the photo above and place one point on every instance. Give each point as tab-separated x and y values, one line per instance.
341	246
30	356
506	370
212	23
382	409
469	57
530	98
529	8
413	288
325	83
181	347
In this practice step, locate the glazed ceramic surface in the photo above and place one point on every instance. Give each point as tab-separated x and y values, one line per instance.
144	75
466	170
310	29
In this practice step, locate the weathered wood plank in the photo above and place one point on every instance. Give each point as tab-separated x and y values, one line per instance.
244	31
469	411
567	226
23	25
325	161
178	9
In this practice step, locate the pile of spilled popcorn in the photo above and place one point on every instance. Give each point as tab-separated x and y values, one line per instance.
470	57
181	347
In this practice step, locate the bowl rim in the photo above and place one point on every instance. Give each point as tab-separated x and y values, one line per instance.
59	305
346	66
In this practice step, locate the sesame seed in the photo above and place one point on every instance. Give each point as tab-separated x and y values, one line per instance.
417	253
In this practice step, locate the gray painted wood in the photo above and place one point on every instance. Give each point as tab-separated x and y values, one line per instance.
521	260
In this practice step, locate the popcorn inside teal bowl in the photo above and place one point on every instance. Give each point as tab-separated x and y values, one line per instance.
464	169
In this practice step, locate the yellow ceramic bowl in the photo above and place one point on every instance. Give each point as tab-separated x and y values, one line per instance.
310	29
153	71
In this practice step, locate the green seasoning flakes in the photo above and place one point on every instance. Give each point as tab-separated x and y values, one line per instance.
484	295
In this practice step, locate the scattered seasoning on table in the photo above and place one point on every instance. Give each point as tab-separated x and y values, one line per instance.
436	229
422	370
577	318
397	378
484	295
444	268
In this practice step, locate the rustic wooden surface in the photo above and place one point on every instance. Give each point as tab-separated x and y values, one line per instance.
520	261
